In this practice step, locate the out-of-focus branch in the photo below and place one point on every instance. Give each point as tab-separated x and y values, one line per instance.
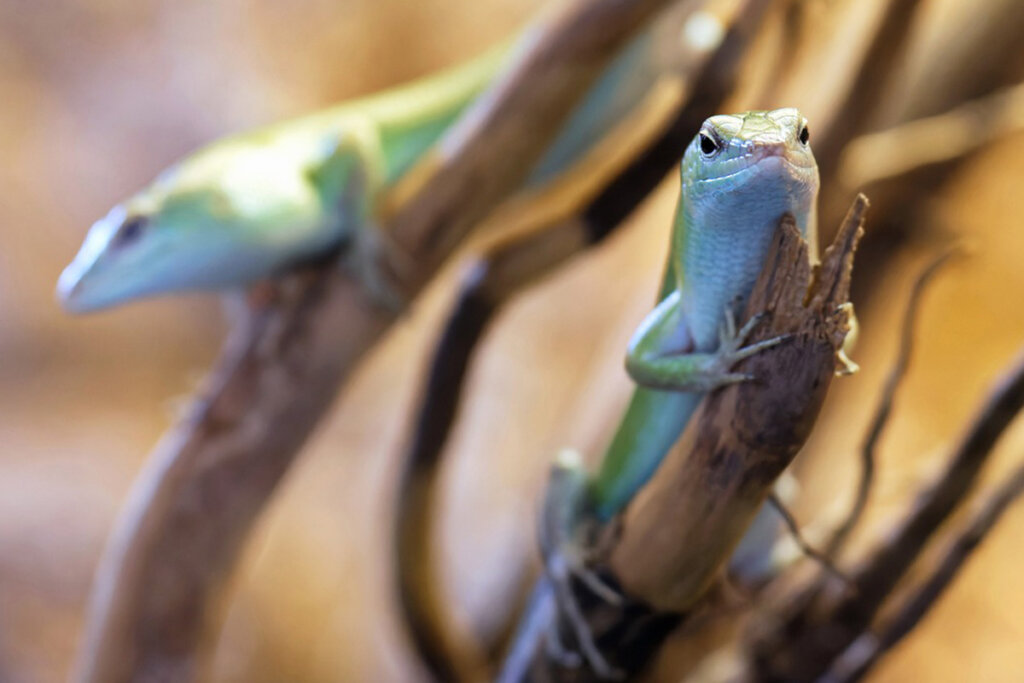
971	58
887	48
161	583
869	649
522	112
940	139
804	644
671	542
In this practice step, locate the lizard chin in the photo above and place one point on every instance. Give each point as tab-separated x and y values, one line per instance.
84	288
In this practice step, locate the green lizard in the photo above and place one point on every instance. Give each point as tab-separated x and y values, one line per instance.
739	176
251	205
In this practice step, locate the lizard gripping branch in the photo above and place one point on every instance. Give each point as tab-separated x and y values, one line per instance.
667	547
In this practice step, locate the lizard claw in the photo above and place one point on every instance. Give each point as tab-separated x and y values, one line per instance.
727	330
847	366
373	260
752	349
597	585
749	326
563	529
561	568
558	651
731	349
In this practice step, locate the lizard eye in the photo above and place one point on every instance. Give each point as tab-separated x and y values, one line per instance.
805	135
129	232
708	145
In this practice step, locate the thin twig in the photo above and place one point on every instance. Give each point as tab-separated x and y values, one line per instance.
806	548
802	645
868	650
885	403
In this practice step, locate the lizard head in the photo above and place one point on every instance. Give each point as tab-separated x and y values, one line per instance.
157	241
204	224
738	162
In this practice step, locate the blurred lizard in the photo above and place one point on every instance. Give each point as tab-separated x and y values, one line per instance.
251	205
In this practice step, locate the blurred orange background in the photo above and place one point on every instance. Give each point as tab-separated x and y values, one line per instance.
96	97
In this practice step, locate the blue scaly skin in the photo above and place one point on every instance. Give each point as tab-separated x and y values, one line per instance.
739	176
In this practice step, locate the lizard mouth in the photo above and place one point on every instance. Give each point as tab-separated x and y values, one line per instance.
780	150
69	285
761	161
71	291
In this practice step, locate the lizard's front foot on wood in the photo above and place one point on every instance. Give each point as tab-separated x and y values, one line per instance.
377	264
731	349
564	550
847	366
690	370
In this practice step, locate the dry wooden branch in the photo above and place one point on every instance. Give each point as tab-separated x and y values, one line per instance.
163	577
670	543
825	620
869	649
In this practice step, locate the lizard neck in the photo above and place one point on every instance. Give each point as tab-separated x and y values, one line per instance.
721	248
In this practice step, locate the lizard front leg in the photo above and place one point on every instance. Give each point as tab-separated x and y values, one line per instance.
349	179
661	354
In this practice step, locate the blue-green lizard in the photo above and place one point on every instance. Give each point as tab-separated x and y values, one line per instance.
251	205
739	176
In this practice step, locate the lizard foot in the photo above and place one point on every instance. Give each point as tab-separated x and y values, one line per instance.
731	349
376	262
847	366
566	559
